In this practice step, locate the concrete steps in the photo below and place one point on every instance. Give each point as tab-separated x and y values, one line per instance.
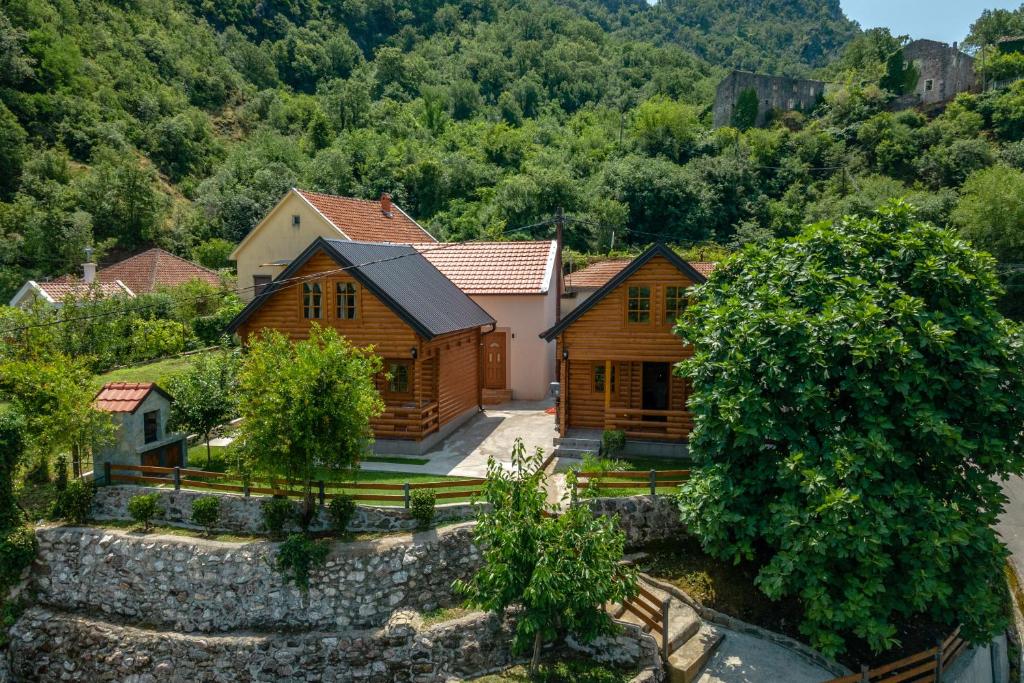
574	447
691	642
493	397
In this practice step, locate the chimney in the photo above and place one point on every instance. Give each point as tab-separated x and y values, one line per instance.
89	267
385	204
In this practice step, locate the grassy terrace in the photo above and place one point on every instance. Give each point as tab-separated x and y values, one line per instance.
158	371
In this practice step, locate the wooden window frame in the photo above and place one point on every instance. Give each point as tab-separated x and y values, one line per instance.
681	302
309	305
597	378
639	297
344	309
389	379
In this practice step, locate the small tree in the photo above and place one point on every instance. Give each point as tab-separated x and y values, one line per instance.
744	114
307	404
205	394
12	448
856	397
143	508
206	512
560	570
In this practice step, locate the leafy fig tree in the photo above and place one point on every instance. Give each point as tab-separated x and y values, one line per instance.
559	569
857	398
306	404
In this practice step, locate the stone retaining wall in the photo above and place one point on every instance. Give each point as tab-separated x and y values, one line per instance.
644	518
239	514
210	586
404	650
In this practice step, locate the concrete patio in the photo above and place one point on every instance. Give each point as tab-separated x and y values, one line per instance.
490	433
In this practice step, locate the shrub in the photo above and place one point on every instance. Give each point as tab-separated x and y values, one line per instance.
341	510
277	514
144	508
421	504
298	556
60	479
74	503
17	550
613	441
206	512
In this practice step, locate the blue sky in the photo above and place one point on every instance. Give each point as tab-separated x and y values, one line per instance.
945	20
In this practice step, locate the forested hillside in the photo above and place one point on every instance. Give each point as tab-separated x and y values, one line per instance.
180	122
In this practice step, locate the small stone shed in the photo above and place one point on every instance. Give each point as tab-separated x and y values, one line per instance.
140	411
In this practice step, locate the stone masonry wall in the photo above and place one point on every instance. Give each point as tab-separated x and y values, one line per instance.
404	650
645	519
199	585
239	514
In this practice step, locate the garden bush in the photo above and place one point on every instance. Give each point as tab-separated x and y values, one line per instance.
144	508
613	441
341	509
298	556
17	551
422	503
206	512
857	397
278	513
60	474
74	503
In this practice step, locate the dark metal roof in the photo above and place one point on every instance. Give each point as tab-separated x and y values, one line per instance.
658	249
400	276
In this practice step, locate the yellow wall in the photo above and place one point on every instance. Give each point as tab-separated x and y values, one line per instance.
275	239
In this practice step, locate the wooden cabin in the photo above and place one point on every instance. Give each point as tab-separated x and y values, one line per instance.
618	352
426	330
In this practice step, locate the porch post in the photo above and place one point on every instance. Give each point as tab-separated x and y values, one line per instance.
607	391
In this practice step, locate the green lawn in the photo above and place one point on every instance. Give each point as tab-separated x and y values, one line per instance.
157	372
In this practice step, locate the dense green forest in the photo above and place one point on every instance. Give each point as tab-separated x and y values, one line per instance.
180	122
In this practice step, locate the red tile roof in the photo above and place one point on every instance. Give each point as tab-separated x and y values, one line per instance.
597	274
155	268
520	267
65	286
123	397
365	221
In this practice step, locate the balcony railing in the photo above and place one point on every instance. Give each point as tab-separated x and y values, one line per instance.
655	425
401	421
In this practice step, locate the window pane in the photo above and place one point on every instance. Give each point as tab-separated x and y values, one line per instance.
399	382
599	378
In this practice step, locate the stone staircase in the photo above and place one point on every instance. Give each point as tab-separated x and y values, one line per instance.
687	643
575	447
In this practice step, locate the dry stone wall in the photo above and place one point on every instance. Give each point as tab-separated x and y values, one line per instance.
241	514
645	519
51	646
197	585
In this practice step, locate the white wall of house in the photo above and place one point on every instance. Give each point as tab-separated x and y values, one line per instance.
275	239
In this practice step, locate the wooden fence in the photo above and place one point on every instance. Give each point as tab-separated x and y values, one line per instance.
649	480
181	477
652	612
924	667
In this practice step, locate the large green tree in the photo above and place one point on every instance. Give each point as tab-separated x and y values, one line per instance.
560	569
205	395
306	404
857	397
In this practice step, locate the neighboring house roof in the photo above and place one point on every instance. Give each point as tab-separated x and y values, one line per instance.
396	274
125	397
156	268
363	220
597	274
55	292
658	249
495	267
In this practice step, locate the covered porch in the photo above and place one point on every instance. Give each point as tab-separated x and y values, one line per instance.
410	391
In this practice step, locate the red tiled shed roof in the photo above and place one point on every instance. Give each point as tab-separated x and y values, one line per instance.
519	267
124	397
365	220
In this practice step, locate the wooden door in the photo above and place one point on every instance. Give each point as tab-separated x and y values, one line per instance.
173	455
495	360
655	390
151	458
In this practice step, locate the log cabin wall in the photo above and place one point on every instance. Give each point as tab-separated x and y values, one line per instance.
604	334
458	361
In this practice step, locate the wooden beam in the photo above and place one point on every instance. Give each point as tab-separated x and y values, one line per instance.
607	384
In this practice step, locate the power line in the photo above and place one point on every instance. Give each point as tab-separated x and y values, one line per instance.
291	282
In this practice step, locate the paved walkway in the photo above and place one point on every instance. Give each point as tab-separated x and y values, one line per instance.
491	433
742	658
1011	524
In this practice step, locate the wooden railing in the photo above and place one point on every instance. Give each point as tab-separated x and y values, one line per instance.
405	422
652	612
637	423
181	477
650	479
927	665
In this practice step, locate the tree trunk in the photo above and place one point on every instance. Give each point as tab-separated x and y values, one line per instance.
207	450
535	662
